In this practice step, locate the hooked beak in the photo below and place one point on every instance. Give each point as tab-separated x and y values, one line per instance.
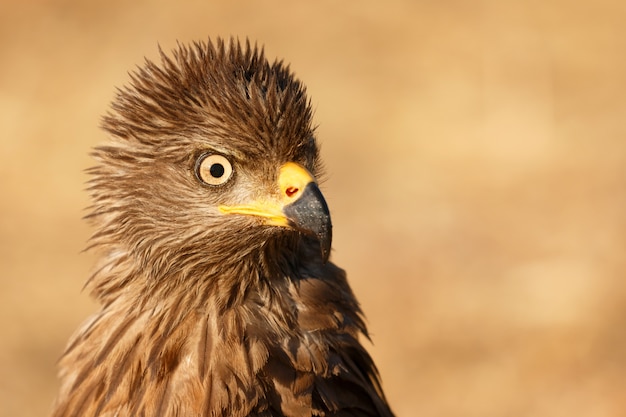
301	206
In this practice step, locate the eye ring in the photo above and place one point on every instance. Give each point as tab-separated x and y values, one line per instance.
213	169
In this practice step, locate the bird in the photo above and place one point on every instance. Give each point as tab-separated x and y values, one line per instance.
216	293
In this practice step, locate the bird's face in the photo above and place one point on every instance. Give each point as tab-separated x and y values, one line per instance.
210	154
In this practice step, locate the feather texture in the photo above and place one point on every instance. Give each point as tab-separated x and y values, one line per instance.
204	314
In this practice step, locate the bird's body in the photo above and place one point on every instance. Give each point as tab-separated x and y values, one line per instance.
217	297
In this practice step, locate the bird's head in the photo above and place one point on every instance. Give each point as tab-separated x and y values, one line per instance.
212	158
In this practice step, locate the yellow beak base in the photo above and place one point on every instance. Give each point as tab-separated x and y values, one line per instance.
301	206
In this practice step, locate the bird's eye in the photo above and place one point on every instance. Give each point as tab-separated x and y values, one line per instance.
213	169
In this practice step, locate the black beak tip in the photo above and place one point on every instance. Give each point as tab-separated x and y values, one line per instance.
325	243
310	214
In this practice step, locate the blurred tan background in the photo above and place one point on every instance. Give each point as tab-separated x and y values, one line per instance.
477	161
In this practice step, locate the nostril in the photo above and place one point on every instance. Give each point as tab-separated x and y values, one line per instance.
290	191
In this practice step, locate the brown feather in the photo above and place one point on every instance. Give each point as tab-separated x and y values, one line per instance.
204	314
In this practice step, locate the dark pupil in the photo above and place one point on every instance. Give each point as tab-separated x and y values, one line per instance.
216	170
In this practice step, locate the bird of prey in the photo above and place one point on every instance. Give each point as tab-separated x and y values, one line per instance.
216	290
